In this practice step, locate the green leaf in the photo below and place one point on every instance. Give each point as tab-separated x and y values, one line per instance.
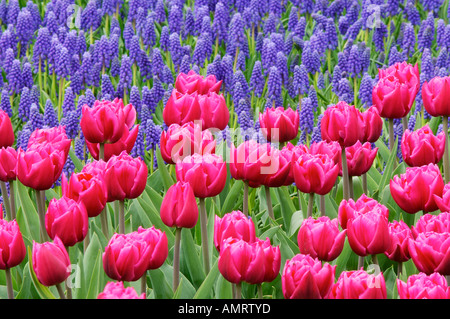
287	206
390	279
189	255
205	290
27	216
161	287
93	268
230	200
76	161
162	168
387	174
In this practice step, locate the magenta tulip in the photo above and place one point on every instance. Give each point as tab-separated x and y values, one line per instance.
360	158
179	206
56	137
6	130
423	286
422	147
435	96
321	238
116	290
215	113
193	82
374	124
51	262
12	246
358	284
279	124
304	277
439	223
8	163
156	240
182	108
398	249
235	225
414	190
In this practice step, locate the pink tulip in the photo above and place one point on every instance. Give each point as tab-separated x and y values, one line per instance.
373	123
179	207
423	286
368	234
56	137
6	130
207	174
125	176
443	201
422	147
414	191
182	108
116	290
279	124
400	233
358	284
156	240
215	113
360	158
177	142
343	123
235	225
439	223
321	238
8	163
315	173
12	246
430	252
435	96
193	82
349	209
304	277
51	262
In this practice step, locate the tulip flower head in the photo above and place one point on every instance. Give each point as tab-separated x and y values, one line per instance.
278	124
12	246
234	224
423	286
116	290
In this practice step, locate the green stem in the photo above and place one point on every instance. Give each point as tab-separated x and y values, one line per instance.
176	259
60	291
269	202
374	260
260	292
346	191
121	217
364	183
101	152
12	199
360	262
446	151
9	285
238	291
310	204
350	186
144	284
41	213
245	201
322	205
204	234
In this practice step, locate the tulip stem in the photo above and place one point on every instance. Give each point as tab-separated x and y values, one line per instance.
176	259
345	179
121	217
238	290
364	183
391	134
374	259
12	199
399	268
360	262
9	285
269	202
446	151
245	202
60	291
310	204
350	186
260	292
144	284
6	200
41	213
204	234
322	205
101	153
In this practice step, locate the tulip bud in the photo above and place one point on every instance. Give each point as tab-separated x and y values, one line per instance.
8	163
182	108
373	123
304	277
207	174
215	113
6	130
66	219
51	262
321	238
423	286
234	224
179	207
12	246
358	284
435	96
55	137
116	290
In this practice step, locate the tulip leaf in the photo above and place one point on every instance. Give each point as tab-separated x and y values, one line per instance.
390	279
161	287
76	161
387	174
27	216
223	289
162	168
205	290
93	269
286	205
231	199
189	255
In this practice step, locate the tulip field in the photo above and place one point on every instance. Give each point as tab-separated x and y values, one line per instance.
224	149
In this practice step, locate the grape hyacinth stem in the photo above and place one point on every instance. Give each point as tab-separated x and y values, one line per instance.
204	234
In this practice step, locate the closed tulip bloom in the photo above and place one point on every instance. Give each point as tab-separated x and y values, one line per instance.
304	277
8	163
349	209
116	290
12	246
435	96
66	219
358	284
193	82
396	90
276	166
439	223
368	234
179	141
41	167
443	201
374	124
423	286
182	108
279	124
398	249
360	158
315	173
6	130
179	207
126	257
88	189
103	123
254	263
125	143
125	176
430	252
343	123
215	113
207	174
157	241
413	191
321	238
51	262
235	225
56	137
422	147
